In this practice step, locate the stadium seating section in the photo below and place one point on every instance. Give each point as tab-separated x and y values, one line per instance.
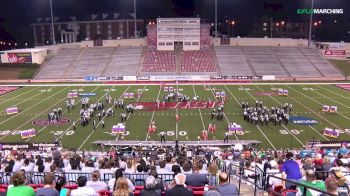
278	61
198	61
158	61
77	63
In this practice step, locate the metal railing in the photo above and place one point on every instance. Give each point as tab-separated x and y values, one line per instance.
247	175
71	178
304	191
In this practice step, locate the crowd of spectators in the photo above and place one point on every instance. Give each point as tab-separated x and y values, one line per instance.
166	172
160	170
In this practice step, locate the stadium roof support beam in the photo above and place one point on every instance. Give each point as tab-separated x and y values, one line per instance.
52	25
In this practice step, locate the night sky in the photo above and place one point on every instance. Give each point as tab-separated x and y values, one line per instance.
16	15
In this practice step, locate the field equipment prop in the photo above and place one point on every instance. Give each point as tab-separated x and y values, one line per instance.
220	94
12	110
72	95
118	129
168	89
329	109
129	95
28	133
333	133
235	128
283	92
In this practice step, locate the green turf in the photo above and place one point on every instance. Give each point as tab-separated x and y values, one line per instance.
35	102
27	73
343	65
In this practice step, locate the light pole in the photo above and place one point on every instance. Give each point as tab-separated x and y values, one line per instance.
310	24
216	18
52	26
135	25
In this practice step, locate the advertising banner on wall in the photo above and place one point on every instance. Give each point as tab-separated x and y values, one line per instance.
335	53
20	57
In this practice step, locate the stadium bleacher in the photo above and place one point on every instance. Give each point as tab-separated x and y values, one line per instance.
158	61
61	61
124	61
198	61
279	61
91	62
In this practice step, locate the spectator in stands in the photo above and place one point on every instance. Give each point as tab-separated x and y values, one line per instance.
308	164
96	182
82	189
122	188
159	182
332	187
213	191
18	164
179	189
105	170
28	166
326	165
49	186
343	184
73	173
161	169
89	167
60	183
38	177
213	171
169	163
290	171
47	164
140	177
225	188
187	168
196	179
312	182
339	166
129	167
119	174
18	180
176	169
150	190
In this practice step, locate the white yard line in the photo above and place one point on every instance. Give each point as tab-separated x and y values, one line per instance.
314	111
295	115
17	95
200	113
88	137
25	100
332	100
36	115
340	95
223	112
160	88
22	111
255	125
281	123
311	109
62	115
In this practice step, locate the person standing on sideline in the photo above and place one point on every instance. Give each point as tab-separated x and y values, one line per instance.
226	137
162	137
103	124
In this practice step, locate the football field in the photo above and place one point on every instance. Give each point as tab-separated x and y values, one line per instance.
35	102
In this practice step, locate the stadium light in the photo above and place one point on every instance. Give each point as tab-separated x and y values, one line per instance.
282	23
216	18
310	24
135	27
52	25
